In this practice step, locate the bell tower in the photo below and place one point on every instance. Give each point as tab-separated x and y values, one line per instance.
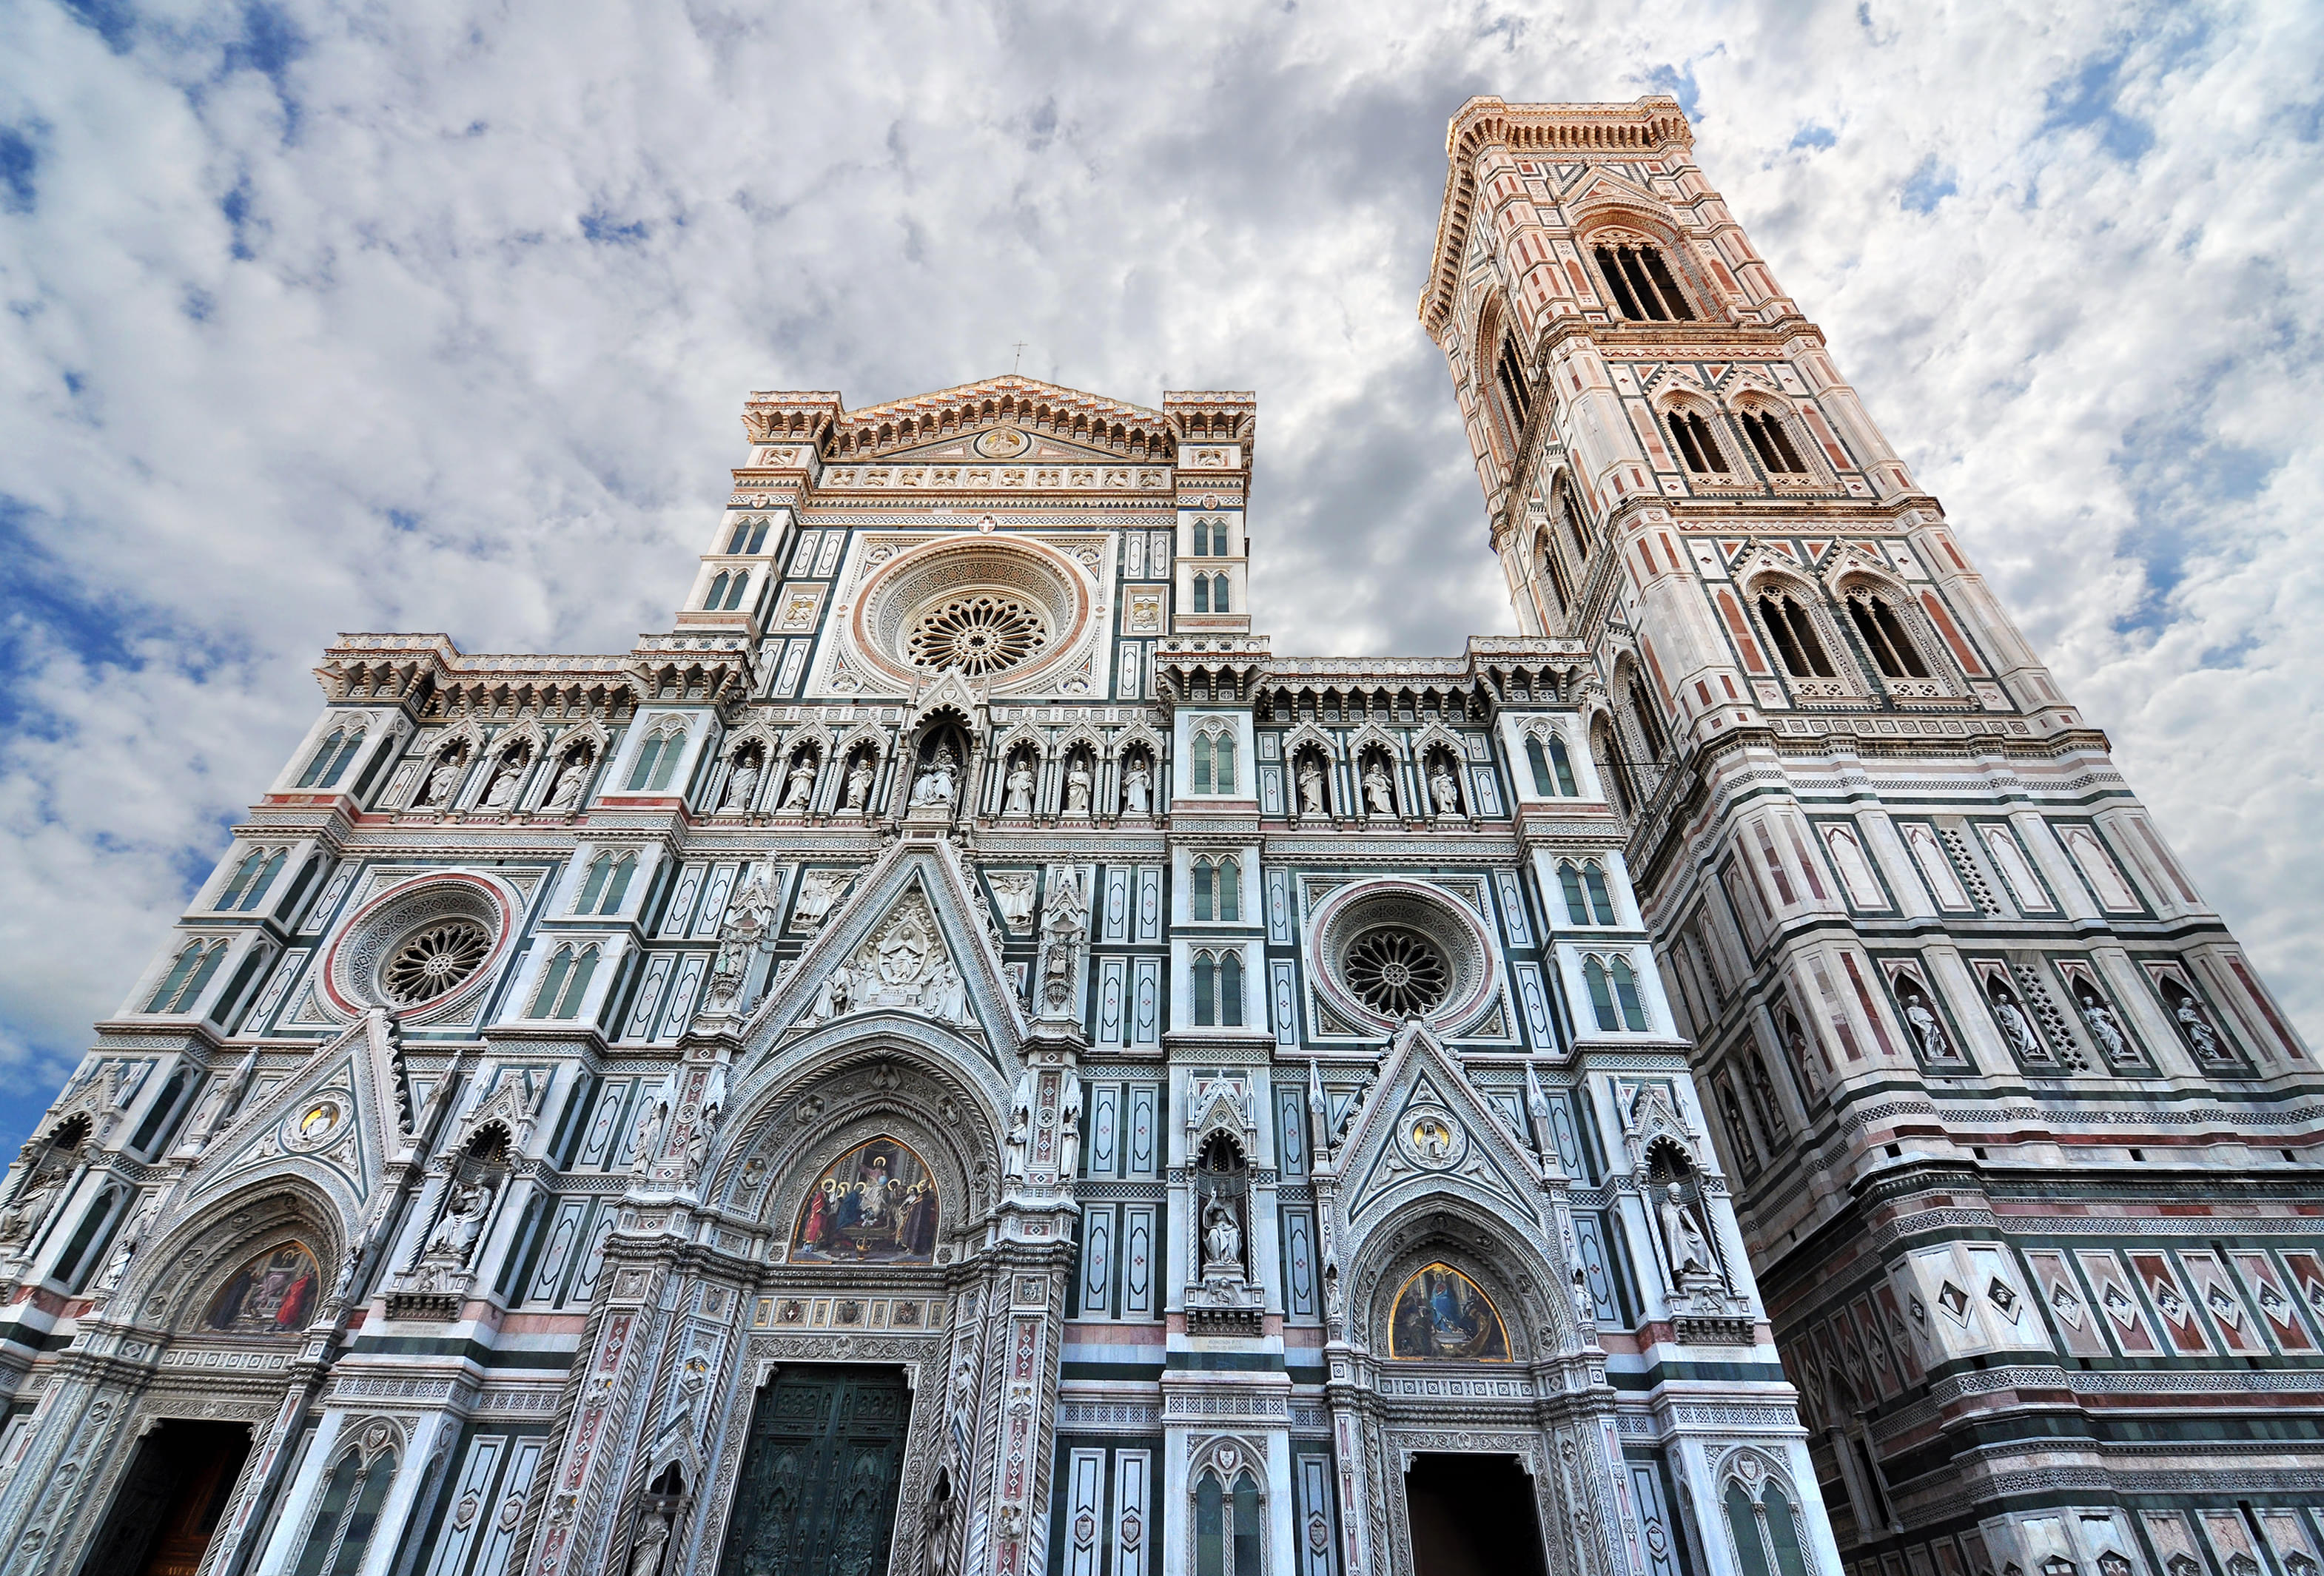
1982	1054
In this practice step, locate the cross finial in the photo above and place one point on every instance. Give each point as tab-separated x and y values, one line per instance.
1020	356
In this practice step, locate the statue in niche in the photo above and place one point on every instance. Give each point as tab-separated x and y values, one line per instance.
1137	789
2016	1028
741	783
798	788
1684	1238
442	778
1379	793
2100	1020
858	786
1311	786
935	1530
938	779
1221	1238
1019	800
1063	924
649	1135
1443	790
501	793
1020	1141
1921	1017
818	891
21	1220
454	1240
2199	1033
566	792
131	1239
1077	787
1069	1125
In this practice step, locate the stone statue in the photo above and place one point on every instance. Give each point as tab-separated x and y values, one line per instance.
1020	1125
1020	790
1013	891
2017	1030
21	1220
859	785
1138	789
740	784
1077	787
1311	786
2099	1018
131	1239
1221	1238
1069	1125
2199	1033
1682	1239
1923	1021
1443	790
798	788
818	891
1379	793
567	791
935	1536
650	1127
1063	924
645	1559
937	782
455	1236
834	997
943	994
442	777
503	792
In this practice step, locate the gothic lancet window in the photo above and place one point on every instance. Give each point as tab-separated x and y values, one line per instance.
1794	635
1695	442
1641	284
181	987
1772	443
1213	766
750	535
1509	377
332	757
565	983
657	763
1614	999
1217	888
606	884
1201	593
1884	636
250	881
1550	569
1217	988
1587	901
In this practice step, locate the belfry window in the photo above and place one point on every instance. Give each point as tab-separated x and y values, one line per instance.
1509	375
1794	634
1695	442
1772	443
1884	636
1642	284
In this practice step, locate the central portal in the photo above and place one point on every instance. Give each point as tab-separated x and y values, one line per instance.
1472	1516
817	1494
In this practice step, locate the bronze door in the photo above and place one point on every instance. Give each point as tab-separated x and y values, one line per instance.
818	1496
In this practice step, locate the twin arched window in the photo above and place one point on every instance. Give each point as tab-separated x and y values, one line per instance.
1552	769
1211	539
1218	887
657	763
352	1498
1883	633
608	882
1765	1532
1587	901
565	983
1509	375
1213	767
251	879
1773	444
332	757
1642	284
1614	994
727	588
182	986
1794	633
1695	442
1210	593
1227	1533
750	535
1218	988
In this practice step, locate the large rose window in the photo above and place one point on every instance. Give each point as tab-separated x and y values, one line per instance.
984	631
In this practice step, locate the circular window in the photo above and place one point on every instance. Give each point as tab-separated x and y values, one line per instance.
981	632
1393	950
982	607
1398	972
426	949
433	960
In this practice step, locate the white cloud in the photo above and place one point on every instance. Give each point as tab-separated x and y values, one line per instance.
504	276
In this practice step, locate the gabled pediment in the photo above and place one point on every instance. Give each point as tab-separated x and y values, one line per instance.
1001	443
912	939
344	1112
1423	1128
1601	185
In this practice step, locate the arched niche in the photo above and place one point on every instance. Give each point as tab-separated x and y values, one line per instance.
183	1276
870	1085
1508	1274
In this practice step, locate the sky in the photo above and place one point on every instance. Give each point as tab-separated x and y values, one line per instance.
438	316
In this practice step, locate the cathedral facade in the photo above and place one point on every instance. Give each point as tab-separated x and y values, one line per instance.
956	1057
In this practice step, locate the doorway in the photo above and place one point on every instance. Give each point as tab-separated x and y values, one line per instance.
170	1500
1472	1516
817	1493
